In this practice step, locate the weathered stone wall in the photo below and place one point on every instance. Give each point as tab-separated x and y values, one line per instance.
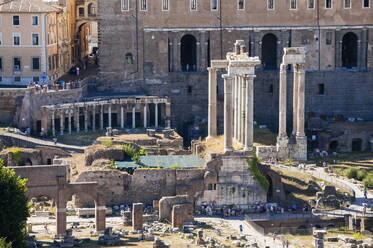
10	99
93	153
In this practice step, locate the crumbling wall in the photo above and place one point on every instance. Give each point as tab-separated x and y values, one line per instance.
93	153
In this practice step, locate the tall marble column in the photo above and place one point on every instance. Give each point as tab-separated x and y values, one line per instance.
282	139
86	118
212	118
102	117
109	115
168	114
228	114
249	124
62	122
53	124
134	117
121	116
156	114
145	117
301	100
243	110
94	118
77	119
239	109
69	120
235	107
295	98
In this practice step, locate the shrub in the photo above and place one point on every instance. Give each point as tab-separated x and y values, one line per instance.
288	161
257	173
107	143
112	165
361	174
131	152
175	166
142	152
368	180
16	155
4	244
350	173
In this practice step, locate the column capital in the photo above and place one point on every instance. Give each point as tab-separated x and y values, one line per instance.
227	76
212	69
283	67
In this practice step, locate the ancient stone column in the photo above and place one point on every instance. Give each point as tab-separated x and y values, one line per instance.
295	99
62	122
137	221
212	118
100	218
301	100
53	124
94	118
236	111
134	117
122	116
109	115
168	114
228	114
102	117
61	220
239	108
282	139
86	118
156	114
249	124
77	121
145	117
234	96
69	121
243	110
177	216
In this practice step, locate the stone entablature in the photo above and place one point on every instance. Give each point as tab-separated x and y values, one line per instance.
119	106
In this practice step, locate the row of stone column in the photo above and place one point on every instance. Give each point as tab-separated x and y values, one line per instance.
238	109
90	112
298	103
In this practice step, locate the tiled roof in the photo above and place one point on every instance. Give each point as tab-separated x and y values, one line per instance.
24	6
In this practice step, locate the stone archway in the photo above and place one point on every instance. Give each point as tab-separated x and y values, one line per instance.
188	53
349	50
269	52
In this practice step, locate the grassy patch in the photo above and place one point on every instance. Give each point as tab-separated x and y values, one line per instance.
257	173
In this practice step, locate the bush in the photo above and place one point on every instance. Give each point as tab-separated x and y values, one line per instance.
257	173
368	180
131	152
112	165
350	173
4	244
361	174
16	155
175	166
289	161
107	143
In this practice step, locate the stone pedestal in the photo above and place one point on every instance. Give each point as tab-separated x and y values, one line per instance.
178	216
137	220
300	152
100	218
61	221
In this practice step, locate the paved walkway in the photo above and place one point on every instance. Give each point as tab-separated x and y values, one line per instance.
27	141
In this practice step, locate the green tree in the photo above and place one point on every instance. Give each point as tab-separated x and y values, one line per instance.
14	208
4	244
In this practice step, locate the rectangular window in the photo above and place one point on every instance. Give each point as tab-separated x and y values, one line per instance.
347	4
35	39
270	4
1	63
214	4
16	21
293	4
143	5
1	79
311	4
16	64
165	5
366	3
81	12
328	38
241	4
35	20
125	5
321	89
16	39
328	4
193	5
17	79
36	63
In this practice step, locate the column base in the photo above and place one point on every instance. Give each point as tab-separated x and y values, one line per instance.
282	141
210	137
300	151
228	149
248	149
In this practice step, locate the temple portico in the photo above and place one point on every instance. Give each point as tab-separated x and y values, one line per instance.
126	112
238	97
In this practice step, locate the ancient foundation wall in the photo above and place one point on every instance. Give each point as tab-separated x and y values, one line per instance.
10	100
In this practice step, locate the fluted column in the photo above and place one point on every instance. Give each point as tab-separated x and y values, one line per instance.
109	115
295	98
86	118
168	114
301	100
282	139
53	125
102	117
62	122
69	121
94	118
134	117
228	114
249	124
243	110
122	116
212	117
235	107
239	108
156	114
77	121
145	117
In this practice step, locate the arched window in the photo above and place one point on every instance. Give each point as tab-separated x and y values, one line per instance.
269	51
349	50
91	9
129	59
188	53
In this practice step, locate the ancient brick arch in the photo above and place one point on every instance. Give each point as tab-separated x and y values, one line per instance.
52	181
